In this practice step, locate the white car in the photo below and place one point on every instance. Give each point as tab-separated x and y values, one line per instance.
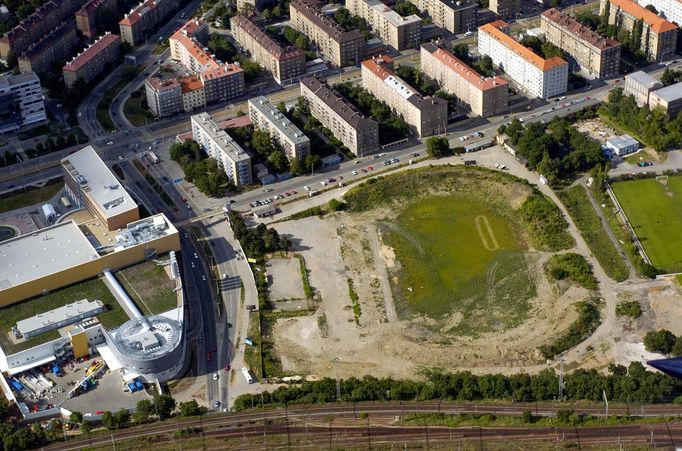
196	255
354	172
110	143
203	278
323	183
307	188
215	377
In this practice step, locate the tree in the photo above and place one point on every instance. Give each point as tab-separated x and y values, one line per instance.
143	410
437	146
76	417
190	409
282	107
86	427
108	420
312	161
302	42
670	76
606	13
261	142
676	351
659	341
165	404
485	66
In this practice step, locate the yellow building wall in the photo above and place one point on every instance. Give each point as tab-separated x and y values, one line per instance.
115	260
79	342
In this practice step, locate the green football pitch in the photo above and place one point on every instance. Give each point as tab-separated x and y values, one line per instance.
458	257
654	209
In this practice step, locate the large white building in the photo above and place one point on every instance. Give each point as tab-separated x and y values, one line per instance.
265	116
395	30
21	102
221	147
670	9
540	77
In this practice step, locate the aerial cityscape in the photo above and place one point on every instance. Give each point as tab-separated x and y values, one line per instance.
364	224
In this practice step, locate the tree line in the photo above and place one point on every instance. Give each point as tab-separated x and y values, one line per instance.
621	384
204	172
257	241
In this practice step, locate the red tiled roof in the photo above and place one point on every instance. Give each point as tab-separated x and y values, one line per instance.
92	51
657	24
463	70
493	29
567	22
137	13
191	83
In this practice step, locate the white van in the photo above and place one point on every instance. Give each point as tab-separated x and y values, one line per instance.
247	376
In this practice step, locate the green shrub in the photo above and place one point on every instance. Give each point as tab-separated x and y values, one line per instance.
546	225
629	308
573	267
587	322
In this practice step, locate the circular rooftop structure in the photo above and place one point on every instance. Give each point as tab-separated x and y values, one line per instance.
147	338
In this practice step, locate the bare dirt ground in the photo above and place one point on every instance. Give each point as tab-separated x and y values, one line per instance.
284	279
340	247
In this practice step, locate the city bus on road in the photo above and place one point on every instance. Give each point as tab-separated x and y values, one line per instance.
152	157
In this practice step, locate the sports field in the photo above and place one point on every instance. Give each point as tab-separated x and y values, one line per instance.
654	209
458	257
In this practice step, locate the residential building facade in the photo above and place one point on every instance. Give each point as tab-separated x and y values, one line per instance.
36	26
164	97
426	115
56	46
93	60
265	116
669	98
541	77
141	19
395	30
21	102
343	48
595	55
639	85
456	16
88	15
286	64
485	96
506	9
358	133
670	9
221	147
659	37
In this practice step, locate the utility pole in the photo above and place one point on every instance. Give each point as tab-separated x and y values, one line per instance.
606	402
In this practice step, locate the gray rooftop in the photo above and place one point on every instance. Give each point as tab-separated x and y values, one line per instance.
144	230
14	80
312	10
644	79
50	250
98	182
148	337
224	141
61	316
280	121
622	141
670	93
390	15
338	104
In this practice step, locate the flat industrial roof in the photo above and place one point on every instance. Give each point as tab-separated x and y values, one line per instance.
98	182
44	252
622	141
669	93
643	79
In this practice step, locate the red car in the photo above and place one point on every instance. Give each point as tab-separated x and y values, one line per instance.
370	168
294	193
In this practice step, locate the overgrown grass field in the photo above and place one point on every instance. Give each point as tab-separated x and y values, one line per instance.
456	255
654	210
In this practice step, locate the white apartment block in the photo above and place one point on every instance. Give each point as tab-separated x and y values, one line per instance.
539	77
671	9
456	16
427	115
265	116
395	30
358	133
21	101
221	147
485	96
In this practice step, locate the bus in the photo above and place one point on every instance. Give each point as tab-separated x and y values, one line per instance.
152	157
247	376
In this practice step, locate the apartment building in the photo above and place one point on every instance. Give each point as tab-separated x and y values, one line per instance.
21	102
187	46
640	85
426	115
145	16
36	26
251	5
343	48
358	133
164	97
506	9
540	77
595	55
265	116
659	37
86	17
485	96
669	98
222	148
395	30
88	64
670	9
286	64
56	46
456	16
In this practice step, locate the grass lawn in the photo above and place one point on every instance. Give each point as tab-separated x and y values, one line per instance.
30	197
458	256
654	210
135	113
91	289
149	287
252	354
591	228
102	111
